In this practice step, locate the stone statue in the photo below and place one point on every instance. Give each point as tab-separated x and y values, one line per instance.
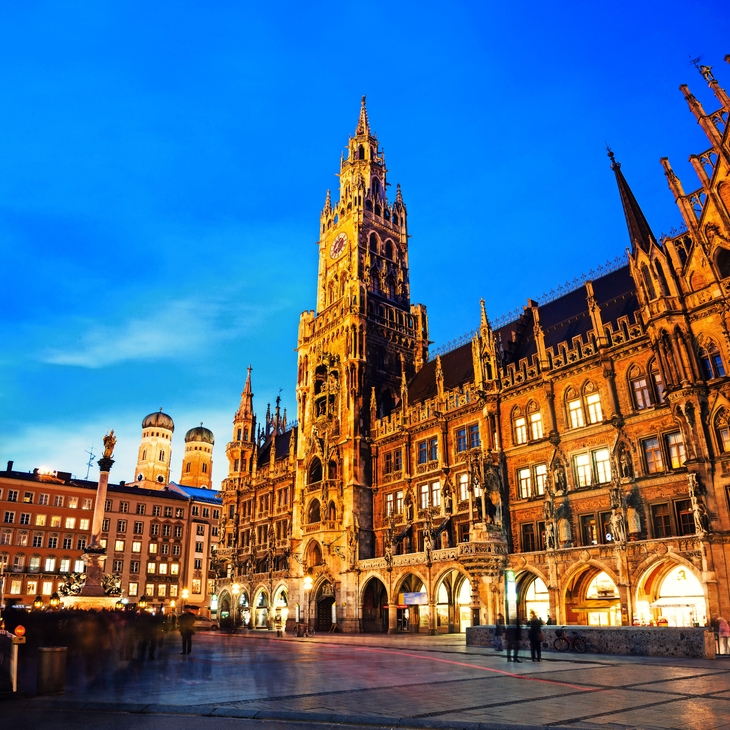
110	441
634	520
427	544
617	526
559	476
565	532
548	508
706	71
702	519
625	463
388	552
550	535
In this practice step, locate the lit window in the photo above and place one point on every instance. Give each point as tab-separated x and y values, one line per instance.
56	521
524	479
40	520
463	482
149	589
136	547
399	502
15	587
520	430
723	435
119	546
152	548
84	524
536	426
653	456
79	566
540	478
642	398
602	460
196	587
593	406
575	413
47	587
50	565
423	496
73	502
70	523
174	568
435	494
64	566
163	569
583	470
173	591
151	567
162	589
389	504
87	503
133	589
675	449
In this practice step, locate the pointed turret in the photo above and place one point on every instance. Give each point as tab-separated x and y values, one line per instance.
363	126
639	230
240	447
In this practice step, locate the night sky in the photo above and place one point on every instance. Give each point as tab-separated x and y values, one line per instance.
163	167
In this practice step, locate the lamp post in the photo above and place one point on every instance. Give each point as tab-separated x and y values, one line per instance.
143	603
38	603
184	595
307	587
236	589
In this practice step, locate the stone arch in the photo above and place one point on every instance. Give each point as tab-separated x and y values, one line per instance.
722	261
314	473
261	608
578	607
313	554
448	587
373	599
528	598
314	512
653	605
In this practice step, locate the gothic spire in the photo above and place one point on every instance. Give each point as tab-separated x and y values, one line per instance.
639	230
363	126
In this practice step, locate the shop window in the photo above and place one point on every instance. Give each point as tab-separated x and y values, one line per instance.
661	520
675	449
652	455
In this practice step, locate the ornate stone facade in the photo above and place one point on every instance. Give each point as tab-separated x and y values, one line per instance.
584	445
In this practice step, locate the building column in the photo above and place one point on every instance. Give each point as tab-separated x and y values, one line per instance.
392	617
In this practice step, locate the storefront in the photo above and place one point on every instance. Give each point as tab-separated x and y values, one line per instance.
671	596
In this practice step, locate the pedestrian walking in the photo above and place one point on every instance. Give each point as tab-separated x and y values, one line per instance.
723	635
513	635
499	633
534	634
186	631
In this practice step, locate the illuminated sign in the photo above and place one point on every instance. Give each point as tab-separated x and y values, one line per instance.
413	599
510	594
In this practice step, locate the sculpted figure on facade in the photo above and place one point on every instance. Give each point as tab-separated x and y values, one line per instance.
626	464
618	529
559	476
699	510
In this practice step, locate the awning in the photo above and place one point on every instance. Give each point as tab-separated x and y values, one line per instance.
441	527
678	602
402	533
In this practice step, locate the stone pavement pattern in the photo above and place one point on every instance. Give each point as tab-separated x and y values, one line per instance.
408	680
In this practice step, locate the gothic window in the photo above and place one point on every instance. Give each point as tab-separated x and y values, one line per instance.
187	467
657	381
722	262
360	153
711	360
144	454
574	406
722	431
376	187
388	249
648	283
653	458
315	471
592	404
639	388
205	468
162	456
535	420
314	514
332	516
519	425
662	279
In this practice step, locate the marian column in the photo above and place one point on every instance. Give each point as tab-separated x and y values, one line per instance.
95	554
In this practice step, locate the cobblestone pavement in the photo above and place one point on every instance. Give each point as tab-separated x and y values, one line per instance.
414	681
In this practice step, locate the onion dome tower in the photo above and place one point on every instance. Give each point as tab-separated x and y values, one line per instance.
155	451
197	466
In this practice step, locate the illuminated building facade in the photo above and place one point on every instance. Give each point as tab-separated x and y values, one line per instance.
585	444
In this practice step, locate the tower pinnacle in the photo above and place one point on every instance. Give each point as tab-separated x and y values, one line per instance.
363	126
639	230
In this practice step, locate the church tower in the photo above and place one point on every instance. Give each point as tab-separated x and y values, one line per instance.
155	451
354	350
197	467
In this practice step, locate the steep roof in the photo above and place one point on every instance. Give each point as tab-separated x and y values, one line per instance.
199	494
282	442
457	367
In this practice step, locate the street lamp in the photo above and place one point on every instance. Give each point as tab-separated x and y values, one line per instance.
119	605
55	600
236	589
38	603
307	587
143	603
184	595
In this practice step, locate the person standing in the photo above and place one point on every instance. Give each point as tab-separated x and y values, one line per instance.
499	633
186	631
534	634
514	636
723	635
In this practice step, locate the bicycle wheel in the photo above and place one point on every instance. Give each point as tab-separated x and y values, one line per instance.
579	644
561	644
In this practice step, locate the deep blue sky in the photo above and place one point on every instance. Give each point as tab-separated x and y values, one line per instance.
163	166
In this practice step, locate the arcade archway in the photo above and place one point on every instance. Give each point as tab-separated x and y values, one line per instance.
374	611
532	595
412	605
670	594
453	599
324	607
592	598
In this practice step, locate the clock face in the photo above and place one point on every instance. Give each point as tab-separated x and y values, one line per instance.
338	245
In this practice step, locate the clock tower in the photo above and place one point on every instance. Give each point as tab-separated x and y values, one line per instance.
356	351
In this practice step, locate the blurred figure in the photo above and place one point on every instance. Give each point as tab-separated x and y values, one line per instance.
186	631
723	635
499	633
514	636
534	634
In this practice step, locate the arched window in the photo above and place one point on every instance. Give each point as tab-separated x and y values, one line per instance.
722	262
388	249
373	242
722	431
332	512
187	467
376	187
360	153
162	455
662	279
639	388
144	455
205	468
519	426
315	471
711	360
315	513
534	418
592	403
648	283
657	381
574	407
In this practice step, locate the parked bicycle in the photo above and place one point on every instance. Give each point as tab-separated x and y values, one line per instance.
563	642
